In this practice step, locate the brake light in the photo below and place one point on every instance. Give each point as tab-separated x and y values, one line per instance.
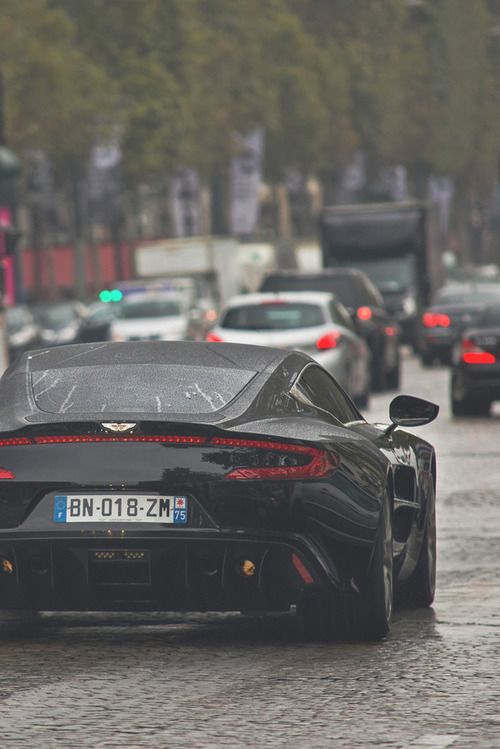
473	354
15	441
214	338
435	320
328	341
364	313
390	331
319	462
86	438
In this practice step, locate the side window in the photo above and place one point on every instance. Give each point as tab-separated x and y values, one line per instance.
321	390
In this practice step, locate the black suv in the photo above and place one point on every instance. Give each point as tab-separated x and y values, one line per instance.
366	306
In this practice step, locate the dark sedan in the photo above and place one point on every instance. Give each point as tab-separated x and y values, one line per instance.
197	476
455	308
475	374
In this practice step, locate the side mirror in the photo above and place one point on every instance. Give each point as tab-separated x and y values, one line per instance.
408	411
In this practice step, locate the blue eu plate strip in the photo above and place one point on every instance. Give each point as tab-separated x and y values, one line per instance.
59	509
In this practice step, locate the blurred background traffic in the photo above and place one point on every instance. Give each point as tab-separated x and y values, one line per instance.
313	174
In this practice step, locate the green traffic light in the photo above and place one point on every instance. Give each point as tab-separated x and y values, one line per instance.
105	296
116	295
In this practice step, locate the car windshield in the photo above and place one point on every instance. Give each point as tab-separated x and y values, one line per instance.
55	315
17	318
143	308
273	316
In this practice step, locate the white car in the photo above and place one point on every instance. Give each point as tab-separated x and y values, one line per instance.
150	317
312	322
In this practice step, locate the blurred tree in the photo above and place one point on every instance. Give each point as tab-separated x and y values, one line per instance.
57	99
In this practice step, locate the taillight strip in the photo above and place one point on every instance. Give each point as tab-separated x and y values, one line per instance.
321	463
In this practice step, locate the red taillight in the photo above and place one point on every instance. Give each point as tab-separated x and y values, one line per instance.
328	341
478	357
214	338
161	438
473	354
15	441
6	474
320	463
390	331
364	313
436	320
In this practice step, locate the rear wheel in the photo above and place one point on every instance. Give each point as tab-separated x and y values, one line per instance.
368	613
365	615
426	359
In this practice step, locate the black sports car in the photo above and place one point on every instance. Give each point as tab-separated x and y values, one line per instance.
199	476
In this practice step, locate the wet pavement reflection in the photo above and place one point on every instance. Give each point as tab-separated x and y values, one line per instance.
151	682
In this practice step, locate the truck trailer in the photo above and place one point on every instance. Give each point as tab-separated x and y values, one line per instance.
394	244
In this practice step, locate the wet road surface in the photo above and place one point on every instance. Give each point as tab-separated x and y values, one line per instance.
227	681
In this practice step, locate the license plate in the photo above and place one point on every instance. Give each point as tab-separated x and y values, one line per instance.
119	508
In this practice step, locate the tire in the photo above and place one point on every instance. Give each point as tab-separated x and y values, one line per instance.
367	614
426	359
422	585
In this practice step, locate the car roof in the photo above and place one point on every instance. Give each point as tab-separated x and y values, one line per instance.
341	271
76	382
306	297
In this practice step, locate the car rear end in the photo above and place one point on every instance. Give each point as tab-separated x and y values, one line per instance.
155	518
366	307
476	362
300	321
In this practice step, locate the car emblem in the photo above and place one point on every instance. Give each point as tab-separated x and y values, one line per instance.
118	426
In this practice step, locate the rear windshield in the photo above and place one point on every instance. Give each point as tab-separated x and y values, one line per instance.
273	316
138	389
149	308
344	287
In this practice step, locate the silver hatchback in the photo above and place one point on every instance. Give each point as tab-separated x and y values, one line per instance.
312	322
